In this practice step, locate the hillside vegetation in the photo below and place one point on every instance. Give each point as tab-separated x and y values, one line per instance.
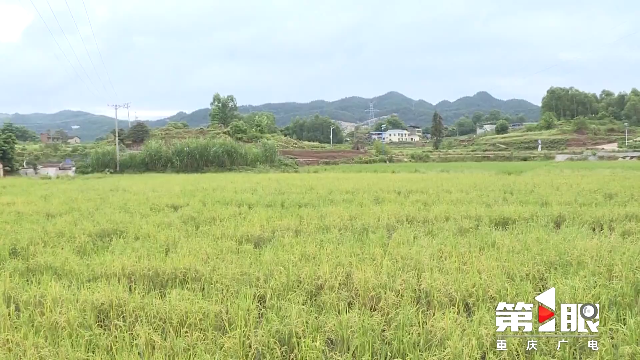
351	109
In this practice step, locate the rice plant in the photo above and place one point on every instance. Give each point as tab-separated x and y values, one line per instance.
406	263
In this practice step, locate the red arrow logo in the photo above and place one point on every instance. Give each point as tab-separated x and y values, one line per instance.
544	314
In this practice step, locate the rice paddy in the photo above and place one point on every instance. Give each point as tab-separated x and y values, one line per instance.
388	261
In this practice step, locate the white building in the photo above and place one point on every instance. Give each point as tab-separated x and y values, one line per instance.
74	140
485	128
395	136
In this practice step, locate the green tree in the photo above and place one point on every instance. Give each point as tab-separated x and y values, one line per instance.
502	127
494	116
379	125
315	129
224	110
548	121
20	132
238	130
358	138
465	126
122	134
437	130
8	144
394	123
261	122
520	118
138	133
478	118
62	135
631	111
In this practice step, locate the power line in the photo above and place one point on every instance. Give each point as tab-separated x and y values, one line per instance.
60	48
72	50
96	41
85	46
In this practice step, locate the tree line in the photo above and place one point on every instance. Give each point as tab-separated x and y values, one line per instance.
571	103
224	114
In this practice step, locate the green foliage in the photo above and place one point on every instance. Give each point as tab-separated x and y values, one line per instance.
261	122
177	125
21	133
192	155
316	129
224	110
349	109
437	130
238	130
465	126
140	132
478	118
571	103
548	121
580	124
8	144
502	127
122	134
62	135
392	122
631	111
379	148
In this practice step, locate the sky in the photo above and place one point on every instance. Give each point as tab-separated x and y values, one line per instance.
169	56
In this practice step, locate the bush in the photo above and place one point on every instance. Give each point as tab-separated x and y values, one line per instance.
580	124
193	155
502	127
380	148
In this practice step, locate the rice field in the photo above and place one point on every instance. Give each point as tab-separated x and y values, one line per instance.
383	261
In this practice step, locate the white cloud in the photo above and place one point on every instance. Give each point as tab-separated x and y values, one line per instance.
13	20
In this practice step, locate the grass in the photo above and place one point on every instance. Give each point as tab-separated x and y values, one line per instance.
345	264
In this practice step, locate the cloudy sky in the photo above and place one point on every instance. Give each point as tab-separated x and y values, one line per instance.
168	56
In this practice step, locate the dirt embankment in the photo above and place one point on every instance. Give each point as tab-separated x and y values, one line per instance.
582	141
313	157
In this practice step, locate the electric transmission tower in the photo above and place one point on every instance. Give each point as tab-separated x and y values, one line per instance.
371	111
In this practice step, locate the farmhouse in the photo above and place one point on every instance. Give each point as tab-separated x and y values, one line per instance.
485	128
396	135
414	133
49	139
74	140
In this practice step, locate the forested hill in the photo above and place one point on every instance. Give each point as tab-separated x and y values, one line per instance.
418	112
352	109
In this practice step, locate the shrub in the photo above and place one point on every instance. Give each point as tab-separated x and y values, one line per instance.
502	127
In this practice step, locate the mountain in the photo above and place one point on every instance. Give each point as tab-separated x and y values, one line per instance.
351	110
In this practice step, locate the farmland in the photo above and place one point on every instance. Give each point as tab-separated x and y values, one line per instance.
393	261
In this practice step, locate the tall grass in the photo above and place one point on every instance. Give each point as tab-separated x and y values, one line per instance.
191	155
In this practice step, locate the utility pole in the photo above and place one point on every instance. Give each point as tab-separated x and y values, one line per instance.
331	136
626	134
127	105
116	107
